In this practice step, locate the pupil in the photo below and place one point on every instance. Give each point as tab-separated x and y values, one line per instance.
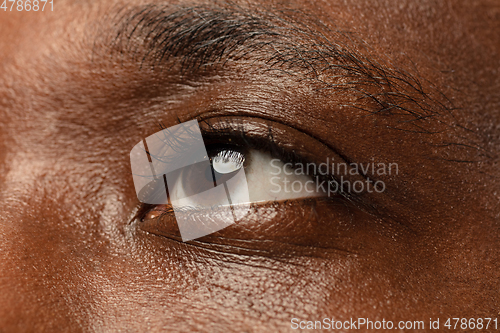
227	161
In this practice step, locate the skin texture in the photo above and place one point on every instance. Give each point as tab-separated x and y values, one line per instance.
75	99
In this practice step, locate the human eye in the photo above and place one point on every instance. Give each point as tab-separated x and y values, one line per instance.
245	183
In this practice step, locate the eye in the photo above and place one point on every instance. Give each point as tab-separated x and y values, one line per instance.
226	175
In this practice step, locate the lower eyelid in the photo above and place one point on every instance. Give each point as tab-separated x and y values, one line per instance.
272	228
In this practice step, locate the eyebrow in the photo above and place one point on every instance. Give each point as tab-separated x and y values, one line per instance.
195	36
202	37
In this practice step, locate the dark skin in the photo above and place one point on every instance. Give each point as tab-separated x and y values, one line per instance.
75	99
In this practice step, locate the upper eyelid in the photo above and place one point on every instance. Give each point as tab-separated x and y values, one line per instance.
175	143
